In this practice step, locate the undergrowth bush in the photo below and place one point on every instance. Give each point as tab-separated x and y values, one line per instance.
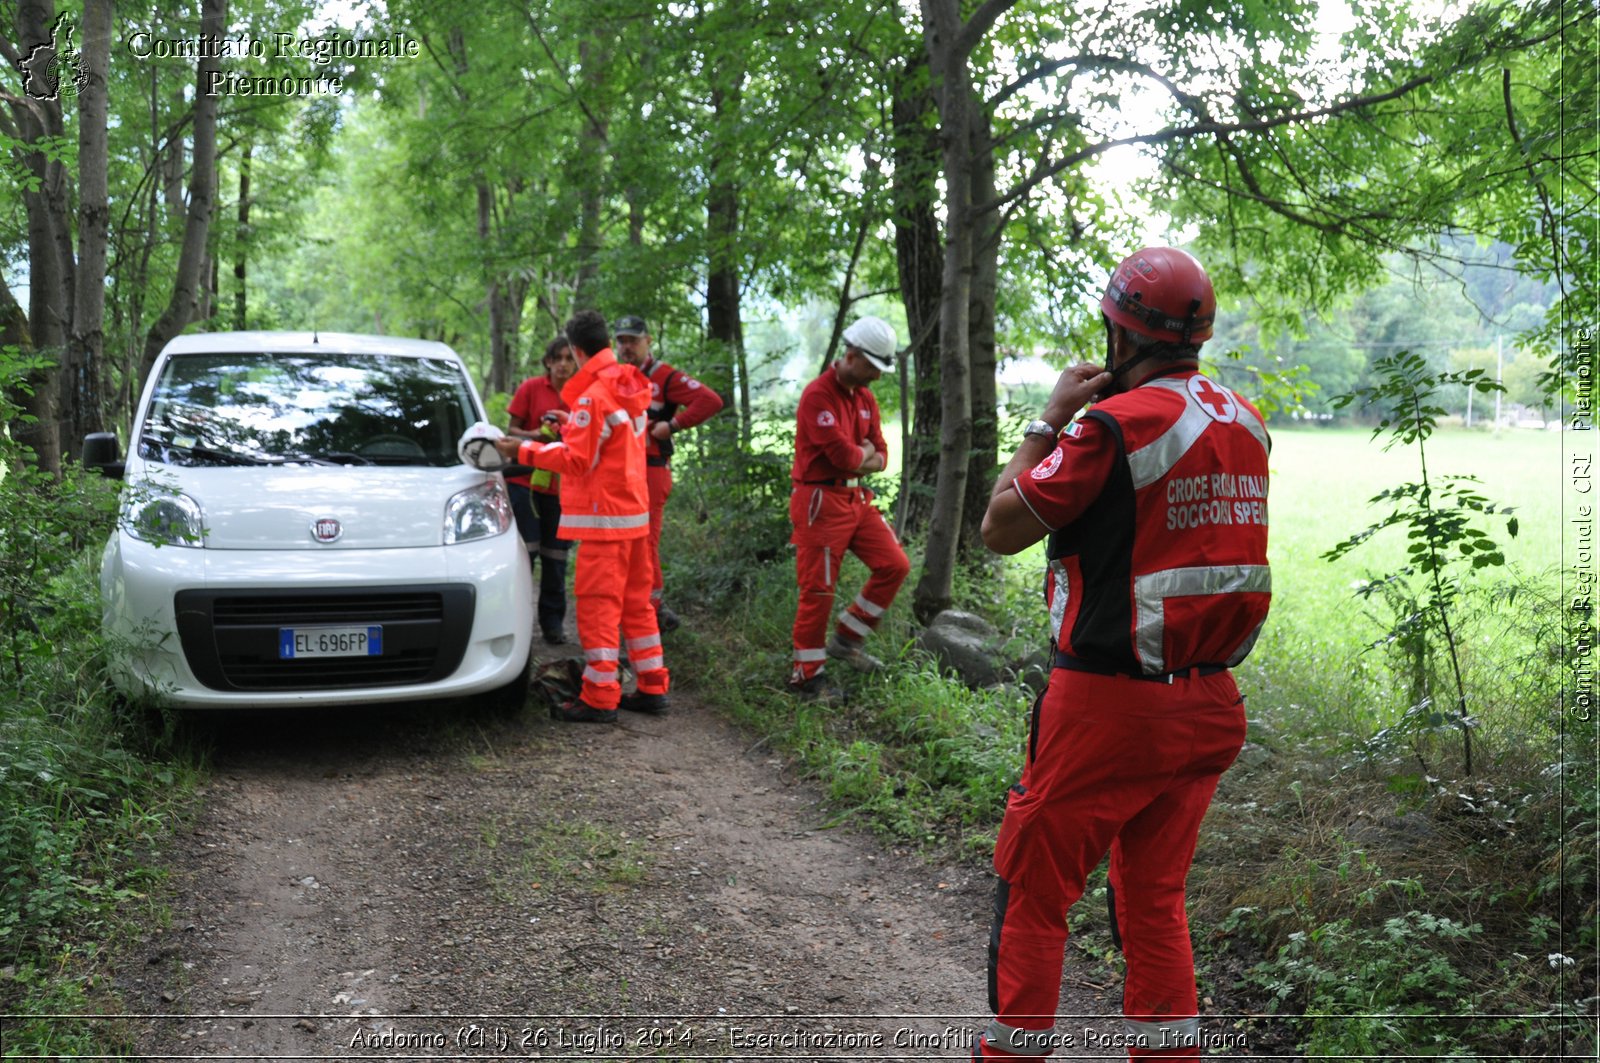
82	800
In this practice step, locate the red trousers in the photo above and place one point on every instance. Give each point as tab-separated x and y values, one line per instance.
612	586
1128	766
827	522
659	480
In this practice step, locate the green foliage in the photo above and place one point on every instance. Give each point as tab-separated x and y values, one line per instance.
913	753
739	498
1438	126
1395	987
1437	515
80	806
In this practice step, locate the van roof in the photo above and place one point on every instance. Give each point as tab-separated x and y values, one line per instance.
307	343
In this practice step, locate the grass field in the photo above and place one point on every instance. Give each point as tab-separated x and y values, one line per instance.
1313	663
1322	480
1313	667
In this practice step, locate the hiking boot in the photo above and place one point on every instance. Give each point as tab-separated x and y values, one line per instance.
554	636
649	704
666	619
818	688
579	711
850	652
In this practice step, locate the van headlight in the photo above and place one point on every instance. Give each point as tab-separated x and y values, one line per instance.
477	513
166	519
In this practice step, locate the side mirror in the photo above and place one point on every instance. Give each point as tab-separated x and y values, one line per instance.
101	454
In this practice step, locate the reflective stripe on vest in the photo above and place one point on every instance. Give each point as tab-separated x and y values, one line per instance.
1150	463
1058	600
1134	577
1150	594
595	520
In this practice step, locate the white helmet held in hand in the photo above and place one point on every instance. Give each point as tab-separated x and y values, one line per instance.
873	337
477	448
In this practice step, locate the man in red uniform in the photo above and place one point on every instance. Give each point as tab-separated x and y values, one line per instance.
535	499
677	402
605	505
1154	504
838	439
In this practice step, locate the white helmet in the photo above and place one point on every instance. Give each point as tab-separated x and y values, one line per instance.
477	448
874	338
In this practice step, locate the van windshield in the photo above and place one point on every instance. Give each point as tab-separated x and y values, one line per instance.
345	409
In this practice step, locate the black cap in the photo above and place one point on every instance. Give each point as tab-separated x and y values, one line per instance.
631	325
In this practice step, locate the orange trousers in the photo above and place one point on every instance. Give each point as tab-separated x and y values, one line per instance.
612	587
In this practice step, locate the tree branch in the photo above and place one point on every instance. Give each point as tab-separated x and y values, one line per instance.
595	125
1114	63
1550	226
980	23
1047	170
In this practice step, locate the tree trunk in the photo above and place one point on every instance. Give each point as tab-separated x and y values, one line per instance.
841	311
592	59
499	356
50	288
202	182
953	85
724	322
83	368
981	338
241	262
918	254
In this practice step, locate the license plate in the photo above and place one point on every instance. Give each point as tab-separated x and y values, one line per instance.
295	643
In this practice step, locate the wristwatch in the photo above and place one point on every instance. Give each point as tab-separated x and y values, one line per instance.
1041	428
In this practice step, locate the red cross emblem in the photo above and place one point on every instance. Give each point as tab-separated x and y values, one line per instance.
1216	403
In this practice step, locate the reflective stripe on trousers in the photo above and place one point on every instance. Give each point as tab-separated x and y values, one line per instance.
612	588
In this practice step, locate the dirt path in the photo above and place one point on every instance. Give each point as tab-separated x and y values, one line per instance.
374	886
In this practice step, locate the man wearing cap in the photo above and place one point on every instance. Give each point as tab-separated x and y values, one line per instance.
839	439
677	402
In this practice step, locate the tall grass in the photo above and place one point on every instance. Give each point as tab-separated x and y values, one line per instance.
1320	668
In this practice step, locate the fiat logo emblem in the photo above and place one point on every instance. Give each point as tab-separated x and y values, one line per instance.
326	530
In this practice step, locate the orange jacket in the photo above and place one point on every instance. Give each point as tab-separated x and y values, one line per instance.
604	494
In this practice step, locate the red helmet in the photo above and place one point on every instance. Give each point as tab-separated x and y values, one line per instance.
1163	293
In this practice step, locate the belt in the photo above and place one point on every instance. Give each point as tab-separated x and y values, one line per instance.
658	463
854	481
1078	664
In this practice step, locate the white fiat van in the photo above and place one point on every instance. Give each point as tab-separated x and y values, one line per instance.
297	529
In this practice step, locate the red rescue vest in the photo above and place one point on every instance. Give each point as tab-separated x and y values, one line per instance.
1167	568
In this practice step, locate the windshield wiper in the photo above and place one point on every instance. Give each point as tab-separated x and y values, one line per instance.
211	454
332	457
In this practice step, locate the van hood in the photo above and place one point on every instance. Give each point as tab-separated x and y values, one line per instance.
280	507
